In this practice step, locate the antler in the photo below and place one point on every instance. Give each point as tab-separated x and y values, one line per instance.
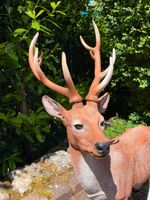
35	63
97	86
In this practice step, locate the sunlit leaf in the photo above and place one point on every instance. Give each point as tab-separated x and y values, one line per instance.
60	12
31	13
53	5
36	25
39	13
19	31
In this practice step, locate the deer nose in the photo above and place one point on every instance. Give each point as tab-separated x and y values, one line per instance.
103	147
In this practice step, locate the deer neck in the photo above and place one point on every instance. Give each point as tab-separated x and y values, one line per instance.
93	174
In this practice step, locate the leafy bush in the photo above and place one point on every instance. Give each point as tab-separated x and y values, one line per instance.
22	120
125	26
117	127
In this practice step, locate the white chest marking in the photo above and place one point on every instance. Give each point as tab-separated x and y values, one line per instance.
89	181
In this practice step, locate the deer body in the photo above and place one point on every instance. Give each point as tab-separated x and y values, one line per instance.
114	176
107	169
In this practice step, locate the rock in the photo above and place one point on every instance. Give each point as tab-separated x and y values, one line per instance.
21	179
60	158
34	197
21	183
50	178
4	194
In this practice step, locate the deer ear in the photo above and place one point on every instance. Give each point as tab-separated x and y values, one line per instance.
52	107
103	102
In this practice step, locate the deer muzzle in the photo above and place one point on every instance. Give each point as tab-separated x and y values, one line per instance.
103	148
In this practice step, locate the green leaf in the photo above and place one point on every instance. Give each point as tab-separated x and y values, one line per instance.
3	117
53	5
38	134
40	89
10	97
32	118
18	131
19	31
13	56
11	112
18	97
28	77
39	110
40	137
60	12
55	24
11	164
31	13
58	3
39	13
29	137
21	9
36	25
9	47
9	50
4	167
45	30
16	122
42	115
18	160
46	129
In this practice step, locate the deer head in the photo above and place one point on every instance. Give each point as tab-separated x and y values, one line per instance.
84	122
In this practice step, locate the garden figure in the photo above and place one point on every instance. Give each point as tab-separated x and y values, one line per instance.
107	169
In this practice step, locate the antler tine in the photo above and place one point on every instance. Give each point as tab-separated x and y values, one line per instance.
97	87
31	55
74	94
94	51
35	61
107	73
95	90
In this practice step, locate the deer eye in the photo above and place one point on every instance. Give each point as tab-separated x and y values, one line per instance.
78	126
103	123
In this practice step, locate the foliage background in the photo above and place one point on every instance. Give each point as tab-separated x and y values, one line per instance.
26	131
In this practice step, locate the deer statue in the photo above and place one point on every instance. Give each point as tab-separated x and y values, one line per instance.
107	169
